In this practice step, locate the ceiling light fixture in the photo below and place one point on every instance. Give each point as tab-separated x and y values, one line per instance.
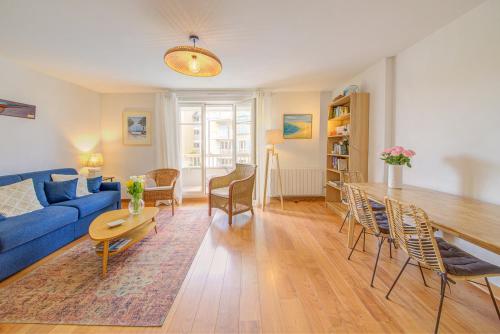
192	60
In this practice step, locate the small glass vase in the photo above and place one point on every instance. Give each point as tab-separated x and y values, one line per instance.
136	205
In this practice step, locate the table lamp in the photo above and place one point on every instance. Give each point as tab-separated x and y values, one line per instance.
94	163
273	137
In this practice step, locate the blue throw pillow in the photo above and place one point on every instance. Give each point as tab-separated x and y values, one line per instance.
94	184
2	217
60	191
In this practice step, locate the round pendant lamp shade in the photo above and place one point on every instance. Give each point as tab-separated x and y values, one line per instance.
193	61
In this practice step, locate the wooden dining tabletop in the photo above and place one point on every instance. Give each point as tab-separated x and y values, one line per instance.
469	219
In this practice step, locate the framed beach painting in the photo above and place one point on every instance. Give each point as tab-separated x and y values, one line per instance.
137	127
297	126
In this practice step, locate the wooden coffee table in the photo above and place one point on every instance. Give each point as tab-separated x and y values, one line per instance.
135	228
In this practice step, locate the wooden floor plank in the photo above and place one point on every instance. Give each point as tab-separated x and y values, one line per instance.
287	271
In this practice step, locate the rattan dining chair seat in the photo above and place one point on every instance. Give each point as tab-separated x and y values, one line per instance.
460	263
382	221
376	206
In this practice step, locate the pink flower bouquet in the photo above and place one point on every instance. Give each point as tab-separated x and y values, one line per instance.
397	155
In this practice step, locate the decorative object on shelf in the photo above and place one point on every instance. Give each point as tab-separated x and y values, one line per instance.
135	188
297	126
193	60
351	89
273	137
396	158
94	163
16	109
137	127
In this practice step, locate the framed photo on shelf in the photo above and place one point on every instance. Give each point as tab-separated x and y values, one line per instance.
297	126
136	127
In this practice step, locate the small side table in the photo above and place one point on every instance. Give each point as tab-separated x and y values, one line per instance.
108	178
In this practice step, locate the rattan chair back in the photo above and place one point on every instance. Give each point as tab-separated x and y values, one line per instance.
361	209
410	227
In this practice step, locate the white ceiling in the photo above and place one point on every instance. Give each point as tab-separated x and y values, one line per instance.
118	45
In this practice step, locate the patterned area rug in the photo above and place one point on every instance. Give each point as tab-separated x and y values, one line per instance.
139	289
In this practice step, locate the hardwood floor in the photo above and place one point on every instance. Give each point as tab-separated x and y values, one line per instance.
287	271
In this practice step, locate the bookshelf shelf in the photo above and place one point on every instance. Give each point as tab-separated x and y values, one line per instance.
353	145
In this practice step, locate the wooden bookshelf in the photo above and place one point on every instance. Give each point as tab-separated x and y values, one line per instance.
357	117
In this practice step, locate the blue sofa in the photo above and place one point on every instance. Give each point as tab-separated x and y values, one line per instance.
27	238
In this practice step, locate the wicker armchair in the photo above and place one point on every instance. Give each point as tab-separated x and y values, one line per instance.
165	180
411	229
233	192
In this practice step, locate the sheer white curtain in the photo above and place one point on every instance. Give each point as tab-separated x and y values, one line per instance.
168	153
263	110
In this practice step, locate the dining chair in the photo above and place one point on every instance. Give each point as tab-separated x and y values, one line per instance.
233	193
163	186
372	222
353	177
411	228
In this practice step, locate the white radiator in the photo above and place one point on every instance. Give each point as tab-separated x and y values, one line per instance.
298	182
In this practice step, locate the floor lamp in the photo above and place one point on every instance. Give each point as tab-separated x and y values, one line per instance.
273	137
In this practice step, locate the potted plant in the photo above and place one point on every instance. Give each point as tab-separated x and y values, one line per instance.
135	188
396	158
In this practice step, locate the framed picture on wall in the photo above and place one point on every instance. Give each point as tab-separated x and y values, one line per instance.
137	127
297	126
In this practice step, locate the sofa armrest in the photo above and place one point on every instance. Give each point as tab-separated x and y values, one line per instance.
116	186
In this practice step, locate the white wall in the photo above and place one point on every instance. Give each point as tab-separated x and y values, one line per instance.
67	121
122	160
298	153
448	106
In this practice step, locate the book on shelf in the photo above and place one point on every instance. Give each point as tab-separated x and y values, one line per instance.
335	184
341	148
338	111
114	245
339	164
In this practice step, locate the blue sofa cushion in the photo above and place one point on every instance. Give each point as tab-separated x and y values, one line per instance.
60	191
89	204
18	230
94	184
2	217
40	177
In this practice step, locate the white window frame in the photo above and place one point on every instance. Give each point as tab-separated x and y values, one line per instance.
203	141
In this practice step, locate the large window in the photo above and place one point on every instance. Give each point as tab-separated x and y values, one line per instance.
213	138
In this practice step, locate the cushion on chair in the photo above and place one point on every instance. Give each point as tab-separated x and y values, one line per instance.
376	206
87	205
221	192
382	222
460	263
18	230
158	188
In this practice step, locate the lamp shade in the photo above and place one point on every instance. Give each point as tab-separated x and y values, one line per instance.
192	60
274	137
95	160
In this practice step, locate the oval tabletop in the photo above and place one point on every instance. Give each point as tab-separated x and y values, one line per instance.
100	231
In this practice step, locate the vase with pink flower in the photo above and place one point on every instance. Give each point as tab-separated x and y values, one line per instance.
396	158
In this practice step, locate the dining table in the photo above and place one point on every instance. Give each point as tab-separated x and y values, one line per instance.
469	219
